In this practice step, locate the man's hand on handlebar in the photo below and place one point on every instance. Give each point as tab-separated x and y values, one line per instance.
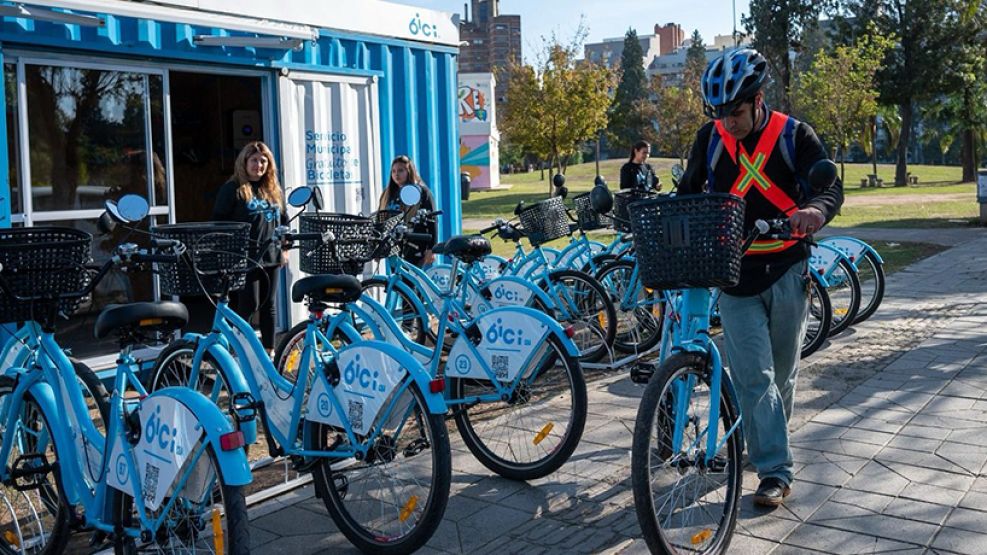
807	221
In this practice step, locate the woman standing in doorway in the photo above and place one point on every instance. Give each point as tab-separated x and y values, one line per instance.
253	195
403	173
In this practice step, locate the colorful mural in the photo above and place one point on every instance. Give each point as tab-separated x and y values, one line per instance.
472	104
478	136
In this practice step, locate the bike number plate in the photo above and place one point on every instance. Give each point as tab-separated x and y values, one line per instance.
368	376
169	434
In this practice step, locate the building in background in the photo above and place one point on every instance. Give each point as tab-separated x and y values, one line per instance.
664	40
671	66
492	40
479	140
671	35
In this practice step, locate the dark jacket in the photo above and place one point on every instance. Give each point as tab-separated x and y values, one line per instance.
637	176
759	272
415	252
261	215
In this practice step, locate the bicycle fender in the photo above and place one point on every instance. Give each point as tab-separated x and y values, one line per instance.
514	330
220	351
851	245
172	421
511	291
44	396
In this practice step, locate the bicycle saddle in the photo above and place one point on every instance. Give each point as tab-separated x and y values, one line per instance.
327	288
163	316
468	248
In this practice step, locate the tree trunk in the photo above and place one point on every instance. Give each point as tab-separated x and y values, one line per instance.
901	169
873	143
969	141
843	164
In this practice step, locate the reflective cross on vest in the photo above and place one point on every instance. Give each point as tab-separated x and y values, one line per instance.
752	175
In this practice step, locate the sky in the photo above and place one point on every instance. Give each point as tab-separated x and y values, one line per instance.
608	18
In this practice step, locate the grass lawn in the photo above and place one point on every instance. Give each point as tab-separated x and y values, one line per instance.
913	206
898	255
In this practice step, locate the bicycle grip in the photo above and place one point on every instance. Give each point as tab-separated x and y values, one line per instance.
164	243
315	236
147	257
486	230
419	237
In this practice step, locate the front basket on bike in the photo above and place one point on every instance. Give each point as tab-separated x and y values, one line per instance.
623	199
214	248
689	241
545	221
39	261
588	218
347	257
384	222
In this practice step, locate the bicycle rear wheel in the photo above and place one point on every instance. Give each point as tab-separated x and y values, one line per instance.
538	428
639	319
580	301
819	319
844	296
870	273
684	502
393	500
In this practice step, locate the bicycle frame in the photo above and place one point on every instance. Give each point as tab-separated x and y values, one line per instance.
256	375
188	415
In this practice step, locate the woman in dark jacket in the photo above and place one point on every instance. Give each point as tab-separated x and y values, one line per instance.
637	173
253	195
403	172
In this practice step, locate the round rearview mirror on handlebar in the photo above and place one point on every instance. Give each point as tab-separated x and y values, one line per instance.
129	209
410	195
300	196
822	174
677	172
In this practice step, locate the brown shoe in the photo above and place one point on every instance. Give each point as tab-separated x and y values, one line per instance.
771	492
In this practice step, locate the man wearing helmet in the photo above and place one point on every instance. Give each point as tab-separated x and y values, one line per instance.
763	156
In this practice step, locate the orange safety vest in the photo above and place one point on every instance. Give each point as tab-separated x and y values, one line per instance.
752	176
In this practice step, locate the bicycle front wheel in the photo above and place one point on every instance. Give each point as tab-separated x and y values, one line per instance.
393	500
820	318
638	308
538	428
870	273
581	302
686	499
844	296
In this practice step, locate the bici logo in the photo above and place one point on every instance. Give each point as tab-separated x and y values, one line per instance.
355	373
416	26
161	435
121	468
498	333
502	293
324	405
441	278
463	365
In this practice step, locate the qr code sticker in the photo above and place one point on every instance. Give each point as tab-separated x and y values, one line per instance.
498	364
150	483
356	414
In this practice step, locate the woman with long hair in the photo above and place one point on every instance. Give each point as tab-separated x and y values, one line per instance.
403	172
637	173
253	195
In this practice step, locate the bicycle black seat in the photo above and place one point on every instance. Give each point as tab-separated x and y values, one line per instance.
164	316
468	248
327	288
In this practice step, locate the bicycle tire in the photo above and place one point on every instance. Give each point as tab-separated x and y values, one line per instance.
414	328
603	341
631	340
56	531
650	411
820	317
236	537
468	419
370	541
844	314
874	301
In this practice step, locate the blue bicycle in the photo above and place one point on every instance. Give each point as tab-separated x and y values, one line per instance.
167	474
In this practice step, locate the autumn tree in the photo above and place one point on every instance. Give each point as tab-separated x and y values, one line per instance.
556	104
838	94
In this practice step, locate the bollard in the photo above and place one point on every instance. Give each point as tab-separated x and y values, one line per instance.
982	195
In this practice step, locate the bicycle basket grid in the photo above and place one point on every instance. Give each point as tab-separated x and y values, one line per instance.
623	199
545	221
212	247
346	258
689	241
384	222
43	261
588	218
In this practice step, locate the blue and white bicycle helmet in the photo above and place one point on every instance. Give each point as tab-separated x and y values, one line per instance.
731	79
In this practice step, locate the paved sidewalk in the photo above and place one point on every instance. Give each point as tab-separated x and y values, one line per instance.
890	445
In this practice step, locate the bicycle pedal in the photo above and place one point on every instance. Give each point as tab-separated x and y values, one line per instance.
641	372
21	470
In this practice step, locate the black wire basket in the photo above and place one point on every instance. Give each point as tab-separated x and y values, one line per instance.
545	221
588	218
623	199
384	222
214	248
349	257
689	241
40	261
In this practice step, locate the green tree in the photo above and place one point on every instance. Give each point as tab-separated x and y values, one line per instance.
838	94
695	62
556	105
918	68
677	113
776	26
626	119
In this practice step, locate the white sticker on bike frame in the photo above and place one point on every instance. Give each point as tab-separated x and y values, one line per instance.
368	376
503	292
169	433
822	259
508	338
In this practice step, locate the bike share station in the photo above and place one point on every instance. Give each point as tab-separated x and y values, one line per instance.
109	97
